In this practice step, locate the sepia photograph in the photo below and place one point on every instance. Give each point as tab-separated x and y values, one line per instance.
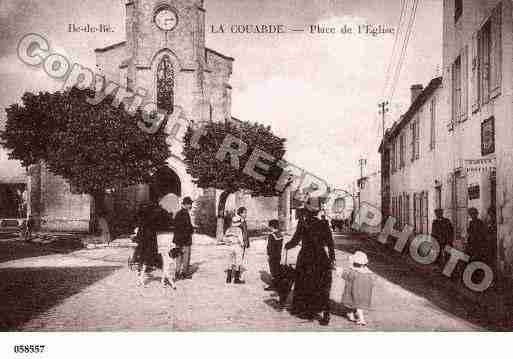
236	166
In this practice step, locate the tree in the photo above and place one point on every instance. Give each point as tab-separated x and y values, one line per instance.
94	148
210	167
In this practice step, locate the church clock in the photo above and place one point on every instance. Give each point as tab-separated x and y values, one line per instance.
166	19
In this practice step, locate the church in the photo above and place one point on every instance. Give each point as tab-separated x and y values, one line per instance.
165	56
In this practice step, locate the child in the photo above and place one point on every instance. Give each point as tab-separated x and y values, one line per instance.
170	267
274	248
359	284
234	237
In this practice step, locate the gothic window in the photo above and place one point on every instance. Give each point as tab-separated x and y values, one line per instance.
165	84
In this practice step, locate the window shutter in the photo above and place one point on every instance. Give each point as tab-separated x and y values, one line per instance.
415	206
484	62
412	131
495	52
408	209
475	74
400	212
464	84
432	107
417	139
426	213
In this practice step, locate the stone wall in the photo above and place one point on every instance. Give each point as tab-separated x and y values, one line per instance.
60	209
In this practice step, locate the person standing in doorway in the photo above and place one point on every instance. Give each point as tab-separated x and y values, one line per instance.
183	238
443	232
477	236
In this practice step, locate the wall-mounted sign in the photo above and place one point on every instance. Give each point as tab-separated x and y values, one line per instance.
479	165
488	136
473	192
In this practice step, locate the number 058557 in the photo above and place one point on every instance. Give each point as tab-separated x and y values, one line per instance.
29	349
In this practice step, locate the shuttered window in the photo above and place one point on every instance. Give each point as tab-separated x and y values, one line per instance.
417	139
415	208
401	150
393	157
487	60
464	85
496	52
425	213
432	121
484	62
474	79
400	209
407	209
456	90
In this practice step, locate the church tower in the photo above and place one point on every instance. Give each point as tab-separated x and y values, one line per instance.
165	51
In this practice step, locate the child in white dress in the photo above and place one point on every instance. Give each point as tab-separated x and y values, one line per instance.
359	285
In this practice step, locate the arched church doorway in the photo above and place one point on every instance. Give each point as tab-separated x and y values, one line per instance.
166	189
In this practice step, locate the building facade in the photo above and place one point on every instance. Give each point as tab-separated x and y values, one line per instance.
477	63
452	149
164	58
414	166
369	188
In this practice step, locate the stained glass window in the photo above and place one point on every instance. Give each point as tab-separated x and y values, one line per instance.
165	84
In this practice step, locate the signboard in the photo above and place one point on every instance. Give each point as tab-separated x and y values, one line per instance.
473	192
479	165
488	136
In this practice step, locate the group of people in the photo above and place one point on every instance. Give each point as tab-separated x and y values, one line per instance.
175	264
315	263
481	236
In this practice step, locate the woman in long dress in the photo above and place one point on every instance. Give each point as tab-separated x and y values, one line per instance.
146	254
313	266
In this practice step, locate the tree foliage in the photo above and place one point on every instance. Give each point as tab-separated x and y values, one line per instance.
208	171
94	147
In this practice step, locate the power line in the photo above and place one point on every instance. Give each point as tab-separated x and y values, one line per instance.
394	47
391	64
404	48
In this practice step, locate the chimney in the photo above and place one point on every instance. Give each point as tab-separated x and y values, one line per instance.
415	91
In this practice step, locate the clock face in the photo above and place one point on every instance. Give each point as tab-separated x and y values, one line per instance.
166	19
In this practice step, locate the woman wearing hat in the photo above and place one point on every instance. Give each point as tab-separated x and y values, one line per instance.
146	254
313	266
358	288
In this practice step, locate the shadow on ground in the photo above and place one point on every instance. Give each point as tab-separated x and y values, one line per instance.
28	292
427	285
18	249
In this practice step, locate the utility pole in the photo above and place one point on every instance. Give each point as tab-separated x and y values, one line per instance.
361	162
383	109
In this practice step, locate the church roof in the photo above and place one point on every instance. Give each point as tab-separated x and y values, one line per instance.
219	54
110	47
122	43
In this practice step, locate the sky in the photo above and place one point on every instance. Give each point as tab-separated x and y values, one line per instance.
320	91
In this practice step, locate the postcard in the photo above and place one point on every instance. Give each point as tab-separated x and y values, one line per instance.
235	166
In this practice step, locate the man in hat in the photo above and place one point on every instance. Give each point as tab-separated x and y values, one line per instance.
183	238
477	236
443	232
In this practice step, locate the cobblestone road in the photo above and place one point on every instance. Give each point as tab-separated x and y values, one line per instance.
92	290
